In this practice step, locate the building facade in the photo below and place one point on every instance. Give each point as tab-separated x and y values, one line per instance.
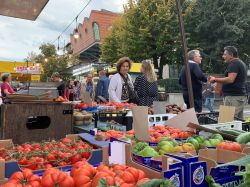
92	33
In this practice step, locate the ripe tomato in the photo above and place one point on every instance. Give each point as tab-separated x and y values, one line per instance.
134	172
26	178
128	177
110	180
232	146
66	140
86	155
53	177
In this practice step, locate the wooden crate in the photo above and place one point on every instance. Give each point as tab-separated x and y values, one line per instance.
14	118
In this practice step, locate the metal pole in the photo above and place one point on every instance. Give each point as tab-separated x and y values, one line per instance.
184	48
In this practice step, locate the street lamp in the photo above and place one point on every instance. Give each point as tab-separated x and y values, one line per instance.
46	60
76	33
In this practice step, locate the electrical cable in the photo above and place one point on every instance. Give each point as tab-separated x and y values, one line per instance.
71	22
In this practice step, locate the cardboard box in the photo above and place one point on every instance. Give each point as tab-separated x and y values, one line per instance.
9	167
214	157
175	175
194	170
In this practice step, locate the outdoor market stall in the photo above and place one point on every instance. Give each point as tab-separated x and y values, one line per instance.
35	118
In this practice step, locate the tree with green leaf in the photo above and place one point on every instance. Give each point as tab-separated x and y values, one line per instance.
212	25
52	62
149	30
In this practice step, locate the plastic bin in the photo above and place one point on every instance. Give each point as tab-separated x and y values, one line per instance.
159	119
231	125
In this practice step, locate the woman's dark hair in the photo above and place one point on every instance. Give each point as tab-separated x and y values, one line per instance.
231	51
121	61
68	84
76	82
5	77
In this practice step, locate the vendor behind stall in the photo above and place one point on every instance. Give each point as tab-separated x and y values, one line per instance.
57	78
5	86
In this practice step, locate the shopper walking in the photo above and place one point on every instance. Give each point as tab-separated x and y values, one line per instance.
88	87
77	86
102	85
69	92
121	85
61	86
145	85
210	95
234	83
197	77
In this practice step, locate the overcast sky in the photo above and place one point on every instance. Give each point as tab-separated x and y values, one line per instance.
18	36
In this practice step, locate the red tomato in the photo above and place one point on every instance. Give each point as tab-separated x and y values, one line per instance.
54	177
26	177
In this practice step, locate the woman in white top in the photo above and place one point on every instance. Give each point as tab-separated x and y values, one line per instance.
121	83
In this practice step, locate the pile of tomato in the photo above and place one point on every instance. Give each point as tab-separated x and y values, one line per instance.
82	174
118	105
84	105
48	154
159	131
231	146
110	133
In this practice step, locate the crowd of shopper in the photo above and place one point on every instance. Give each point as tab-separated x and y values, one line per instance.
117	88
143	91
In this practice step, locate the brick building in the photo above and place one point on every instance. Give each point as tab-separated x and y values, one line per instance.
92	33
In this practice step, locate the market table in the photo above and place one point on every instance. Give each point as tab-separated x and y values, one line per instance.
25	122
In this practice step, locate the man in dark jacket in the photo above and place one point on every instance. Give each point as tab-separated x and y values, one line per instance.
102	84
197	77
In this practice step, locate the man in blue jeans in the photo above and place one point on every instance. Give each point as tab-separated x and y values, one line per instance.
210	91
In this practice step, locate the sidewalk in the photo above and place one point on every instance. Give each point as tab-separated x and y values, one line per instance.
220	102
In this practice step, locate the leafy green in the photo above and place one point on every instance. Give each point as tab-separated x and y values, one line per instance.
138	147
243	138
241	162
211	182
157	183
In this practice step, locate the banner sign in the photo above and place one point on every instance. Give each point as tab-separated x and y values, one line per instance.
28	70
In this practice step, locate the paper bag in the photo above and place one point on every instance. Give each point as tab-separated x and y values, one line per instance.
183	119
159	107
226	114
140	123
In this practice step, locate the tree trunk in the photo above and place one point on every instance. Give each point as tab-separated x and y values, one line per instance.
162	63
155	61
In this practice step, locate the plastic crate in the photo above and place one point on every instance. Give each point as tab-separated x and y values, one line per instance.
159	119
208	118
231	125
118	117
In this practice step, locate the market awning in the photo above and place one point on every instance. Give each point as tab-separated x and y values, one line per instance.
24	9
92	53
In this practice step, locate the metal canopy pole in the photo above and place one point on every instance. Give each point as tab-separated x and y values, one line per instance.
184	48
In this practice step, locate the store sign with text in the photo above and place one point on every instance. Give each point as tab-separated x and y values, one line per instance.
28	70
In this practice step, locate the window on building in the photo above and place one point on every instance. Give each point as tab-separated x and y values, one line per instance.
96	31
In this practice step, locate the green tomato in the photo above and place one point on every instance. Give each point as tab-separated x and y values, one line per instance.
194	142
217	136
207	143
214	142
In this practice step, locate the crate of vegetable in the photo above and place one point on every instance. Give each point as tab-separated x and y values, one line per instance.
85	175
47	154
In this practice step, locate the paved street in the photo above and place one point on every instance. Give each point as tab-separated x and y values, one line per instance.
246	110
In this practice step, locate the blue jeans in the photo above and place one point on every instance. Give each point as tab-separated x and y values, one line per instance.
209	103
